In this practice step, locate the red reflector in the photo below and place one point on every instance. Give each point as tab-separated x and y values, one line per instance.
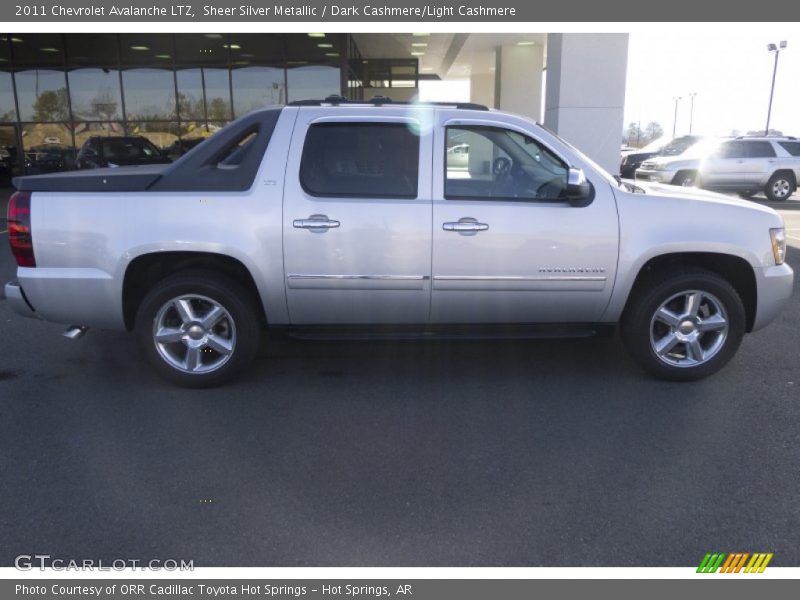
19	229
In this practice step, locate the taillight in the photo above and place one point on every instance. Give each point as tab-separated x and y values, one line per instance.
19	229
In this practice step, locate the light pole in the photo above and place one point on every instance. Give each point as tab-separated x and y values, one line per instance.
776	50
691	111
675	118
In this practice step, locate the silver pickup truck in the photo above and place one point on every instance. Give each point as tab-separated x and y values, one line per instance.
330	219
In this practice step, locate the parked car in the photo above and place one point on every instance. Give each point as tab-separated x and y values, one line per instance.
338	220
458	156
118	151
674	147
49	158
7	158
744	165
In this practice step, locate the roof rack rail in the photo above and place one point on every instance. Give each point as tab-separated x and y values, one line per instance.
336	100
772	135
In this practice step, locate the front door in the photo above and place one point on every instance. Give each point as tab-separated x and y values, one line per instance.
506	247
357	218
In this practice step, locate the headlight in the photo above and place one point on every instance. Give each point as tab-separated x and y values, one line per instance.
778	236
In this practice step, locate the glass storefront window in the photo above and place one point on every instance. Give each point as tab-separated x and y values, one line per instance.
176	89
149	94
190	94
42	95
218	94
8	111
257	87
95	94
313	82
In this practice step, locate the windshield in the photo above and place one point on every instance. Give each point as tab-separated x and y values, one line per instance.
654	146
678	146
703	148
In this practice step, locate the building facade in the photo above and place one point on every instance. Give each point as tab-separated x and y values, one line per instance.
57	90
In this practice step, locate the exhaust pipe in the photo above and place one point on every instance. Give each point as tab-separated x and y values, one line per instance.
75	332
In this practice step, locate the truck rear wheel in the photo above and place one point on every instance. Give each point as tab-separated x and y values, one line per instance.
685	326
198	328
780	186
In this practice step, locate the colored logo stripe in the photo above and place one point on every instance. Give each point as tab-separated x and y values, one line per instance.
711	563
735	562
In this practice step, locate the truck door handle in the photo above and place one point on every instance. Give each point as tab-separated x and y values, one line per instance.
466	226
316	223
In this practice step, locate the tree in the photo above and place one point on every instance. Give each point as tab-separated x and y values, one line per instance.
103	106
653	131
218	110
52	105
633	134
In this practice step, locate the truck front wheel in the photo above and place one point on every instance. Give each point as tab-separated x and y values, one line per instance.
685	326
198	328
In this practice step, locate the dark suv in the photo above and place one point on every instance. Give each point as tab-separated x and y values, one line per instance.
119	151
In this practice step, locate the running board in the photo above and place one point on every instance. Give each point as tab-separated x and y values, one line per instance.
456	332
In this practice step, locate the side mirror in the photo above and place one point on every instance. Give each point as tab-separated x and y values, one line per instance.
580	191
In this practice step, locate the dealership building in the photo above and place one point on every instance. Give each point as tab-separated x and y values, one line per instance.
57	90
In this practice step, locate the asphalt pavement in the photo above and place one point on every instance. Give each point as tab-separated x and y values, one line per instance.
558	453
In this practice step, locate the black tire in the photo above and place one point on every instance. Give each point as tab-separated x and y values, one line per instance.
780	186
641	330
685	178
237	332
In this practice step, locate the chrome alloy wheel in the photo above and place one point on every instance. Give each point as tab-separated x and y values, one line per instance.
781	188
194	334
689	329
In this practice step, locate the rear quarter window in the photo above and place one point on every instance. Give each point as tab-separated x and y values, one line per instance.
792	148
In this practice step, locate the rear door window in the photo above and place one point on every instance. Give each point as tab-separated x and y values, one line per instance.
732	150
360	160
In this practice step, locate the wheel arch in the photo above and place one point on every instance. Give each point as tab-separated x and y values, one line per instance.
735	269
146	270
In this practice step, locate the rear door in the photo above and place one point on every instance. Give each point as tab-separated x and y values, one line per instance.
357	217
506	247
761	161
726	166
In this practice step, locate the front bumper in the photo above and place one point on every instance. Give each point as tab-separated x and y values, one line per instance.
774	285
655	176
17	300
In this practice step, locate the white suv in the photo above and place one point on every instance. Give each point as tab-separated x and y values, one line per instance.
744	165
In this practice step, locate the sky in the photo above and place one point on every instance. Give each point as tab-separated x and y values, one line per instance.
730	71
731	74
